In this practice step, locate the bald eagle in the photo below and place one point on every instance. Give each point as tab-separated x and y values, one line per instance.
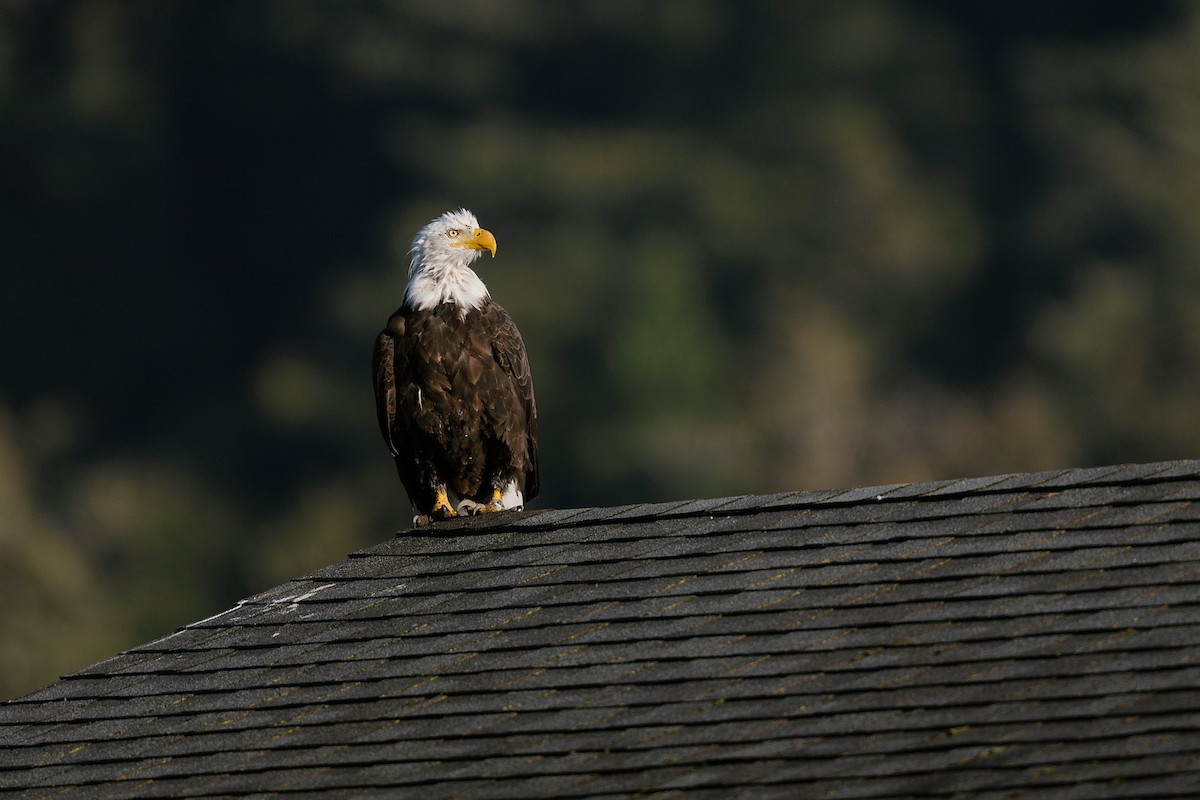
453	391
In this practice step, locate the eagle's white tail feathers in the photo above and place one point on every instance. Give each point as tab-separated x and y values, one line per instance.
513	499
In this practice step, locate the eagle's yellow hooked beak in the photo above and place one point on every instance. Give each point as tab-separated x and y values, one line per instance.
482	240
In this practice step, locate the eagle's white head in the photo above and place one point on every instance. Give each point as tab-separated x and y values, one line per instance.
442	253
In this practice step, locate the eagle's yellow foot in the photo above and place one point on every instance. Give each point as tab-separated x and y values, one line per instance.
441	510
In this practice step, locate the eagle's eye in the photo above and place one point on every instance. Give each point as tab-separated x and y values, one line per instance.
453	233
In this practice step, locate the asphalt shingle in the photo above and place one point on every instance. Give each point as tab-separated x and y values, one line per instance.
1028	636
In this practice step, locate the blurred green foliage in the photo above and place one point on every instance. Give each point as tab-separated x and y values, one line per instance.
752	246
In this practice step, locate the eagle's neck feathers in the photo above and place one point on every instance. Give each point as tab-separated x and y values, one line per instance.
444	278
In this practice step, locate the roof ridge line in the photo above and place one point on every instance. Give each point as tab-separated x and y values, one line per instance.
829	498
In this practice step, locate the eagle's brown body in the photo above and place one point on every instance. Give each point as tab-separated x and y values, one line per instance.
455	403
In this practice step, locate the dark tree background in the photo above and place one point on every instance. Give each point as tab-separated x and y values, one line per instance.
753	246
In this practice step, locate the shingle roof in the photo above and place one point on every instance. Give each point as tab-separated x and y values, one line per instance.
1019	636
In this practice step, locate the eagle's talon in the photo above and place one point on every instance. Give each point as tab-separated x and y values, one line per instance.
436	515
471	508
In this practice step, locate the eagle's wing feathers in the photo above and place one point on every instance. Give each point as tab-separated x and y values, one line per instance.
383	370
510	354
